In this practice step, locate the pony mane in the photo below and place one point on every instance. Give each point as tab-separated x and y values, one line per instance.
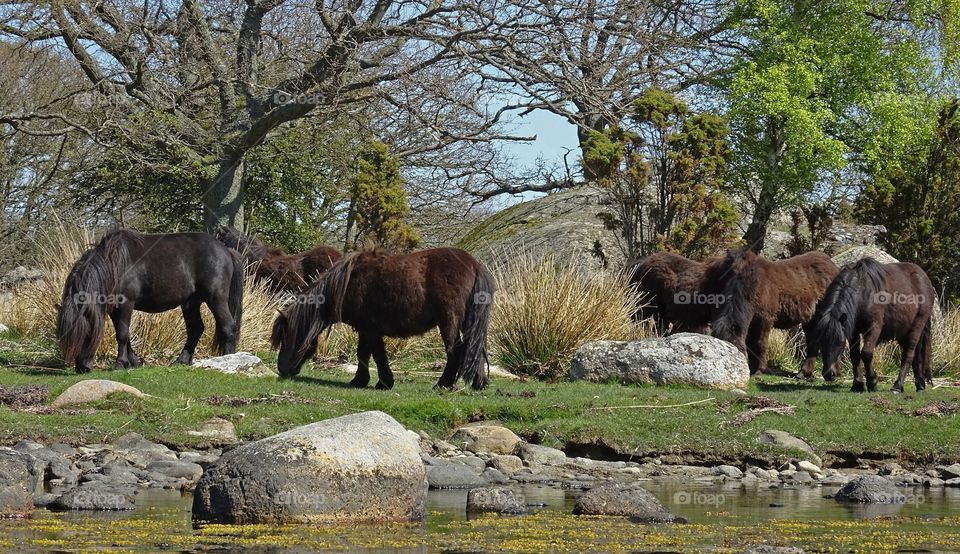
837	313
739	273
94	277
246	245
316	309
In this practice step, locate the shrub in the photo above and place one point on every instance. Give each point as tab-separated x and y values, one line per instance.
544	310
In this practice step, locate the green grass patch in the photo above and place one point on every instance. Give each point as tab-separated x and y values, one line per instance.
557	414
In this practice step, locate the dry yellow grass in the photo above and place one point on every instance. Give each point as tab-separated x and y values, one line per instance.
544	310
31	310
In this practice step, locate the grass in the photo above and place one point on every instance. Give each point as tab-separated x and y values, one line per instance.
838	424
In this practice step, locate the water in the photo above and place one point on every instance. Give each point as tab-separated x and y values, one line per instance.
719	515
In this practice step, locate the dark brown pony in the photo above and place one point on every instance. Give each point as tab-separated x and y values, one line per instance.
869	303
760	295
130	271
284	272
381	294
674	293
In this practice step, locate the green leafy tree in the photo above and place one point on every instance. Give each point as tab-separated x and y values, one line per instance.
917	198
378	201
808	84
664	171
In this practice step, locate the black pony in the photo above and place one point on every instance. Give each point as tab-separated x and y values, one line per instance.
130	271
867	303
395	295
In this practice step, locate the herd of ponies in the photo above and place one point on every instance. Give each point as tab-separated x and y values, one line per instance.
737	297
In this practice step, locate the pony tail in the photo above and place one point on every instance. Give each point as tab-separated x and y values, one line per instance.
234	304
475	364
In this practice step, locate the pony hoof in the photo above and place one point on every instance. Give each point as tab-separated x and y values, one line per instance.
858	387
384	386
360	384
183	360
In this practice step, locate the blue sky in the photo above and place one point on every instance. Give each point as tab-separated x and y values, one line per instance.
554	136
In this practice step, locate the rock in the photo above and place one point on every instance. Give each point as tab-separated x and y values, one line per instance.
4	329
241	363
809	467
497	500
760	473
494	476
53	465
859	252
506	463
562	225
359	467
92	390
729	471
203	459
17	484
473	462
140	452
783	439
768	549
96	495
453	476
539	454
613	499
933	482
494	439
870	489
955	482
950	472
683	358
177	469
217	430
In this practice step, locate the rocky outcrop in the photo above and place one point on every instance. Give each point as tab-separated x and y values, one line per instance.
17	484
359	467
563	225
684	358
870	489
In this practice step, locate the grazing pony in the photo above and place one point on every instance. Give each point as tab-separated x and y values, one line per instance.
284	272
130	271
673	292
395	295
760	294
868	303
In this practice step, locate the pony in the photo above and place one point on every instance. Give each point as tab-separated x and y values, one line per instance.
129	271
673	290
283	272
395	295
759	295
868	303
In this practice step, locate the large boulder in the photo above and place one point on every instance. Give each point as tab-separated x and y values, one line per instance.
614	499
684	358
92	390
563	225
359	467
17	484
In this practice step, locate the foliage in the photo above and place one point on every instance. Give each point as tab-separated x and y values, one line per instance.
544	310
917	198
663	172
817	221
379	201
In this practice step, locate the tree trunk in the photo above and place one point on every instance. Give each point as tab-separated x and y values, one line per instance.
756	232
223	200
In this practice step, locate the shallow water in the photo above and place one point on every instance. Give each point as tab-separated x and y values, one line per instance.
721	518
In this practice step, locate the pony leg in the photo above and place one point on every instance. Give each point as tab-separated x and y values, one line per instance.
813	351
121	324
194	323
908	349
226	332
756	345
859	384
453	345
362	377
383	366
866	354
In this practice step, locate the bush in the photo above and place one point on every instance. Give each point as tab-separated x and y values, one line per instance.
544	310
31	309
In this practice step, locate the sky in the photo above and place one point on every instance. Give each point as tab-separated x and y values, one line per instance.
554	136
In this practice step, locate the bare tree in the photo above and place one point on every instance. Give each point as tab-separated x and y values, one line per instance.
217	78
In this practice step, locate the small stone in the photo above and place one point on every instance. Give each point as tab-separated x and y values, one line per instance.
809	467
950	472
933	482
870	489
539	454
453	476
494	476
497	500
782	439
92	390
176	469
506	463
729	471
612	499
217	430
96	496
244	364
470	461
495	439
